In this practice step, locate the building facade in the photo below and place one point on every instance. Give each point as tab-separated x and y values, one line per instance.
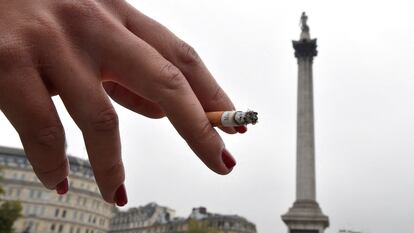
81	210
142	218
157	219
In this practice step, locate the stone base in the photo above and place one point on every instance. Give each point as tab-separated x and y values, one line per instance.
306	217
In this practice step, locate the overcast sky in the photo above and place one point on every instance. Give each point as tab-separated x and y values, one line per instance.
364	111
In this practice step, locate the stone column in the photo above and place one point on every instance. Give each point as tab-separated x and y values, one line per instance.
305	216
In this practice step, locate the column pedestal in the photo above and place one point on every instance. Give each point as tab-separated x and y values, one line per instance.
305	217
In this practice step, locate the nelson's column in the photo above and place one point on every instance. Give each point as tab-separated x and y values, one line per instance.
305	216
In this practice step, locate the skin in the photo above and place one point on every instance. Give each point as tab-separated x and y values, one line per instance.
86	51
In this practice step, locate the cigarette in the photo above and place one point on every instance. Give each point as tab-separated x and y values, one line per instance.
232	118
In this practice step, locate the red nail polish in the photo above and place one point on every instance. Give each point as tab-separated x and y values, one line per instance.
62	187
241	129
121	198
228	159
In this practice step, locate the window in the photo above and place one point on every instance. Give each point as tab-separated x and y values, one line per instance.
9	192
27	209
64	214
56	212
42	211
31	195
52	227
17	192
35	209
60	228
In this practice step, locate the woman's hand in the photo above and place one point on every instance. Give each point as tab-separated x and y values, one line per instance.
83	51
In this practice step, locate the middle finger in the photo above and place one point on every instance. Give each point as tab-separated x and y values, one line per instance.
142	69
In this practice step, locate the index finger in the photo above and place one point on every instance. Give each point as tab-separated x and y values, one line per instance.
211	96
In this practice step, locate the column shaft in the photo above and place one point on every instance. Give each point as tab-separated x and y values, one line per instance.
305	177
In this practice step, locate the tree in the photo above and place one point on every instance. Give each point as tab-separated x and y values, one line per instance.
10	211
195	226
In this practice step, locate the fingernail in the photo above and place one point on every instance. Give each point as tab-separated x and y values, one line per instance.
121	198
241	129
62	187
228	159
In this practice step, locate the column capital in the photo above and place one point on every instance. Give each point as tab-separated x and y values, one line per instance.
305	48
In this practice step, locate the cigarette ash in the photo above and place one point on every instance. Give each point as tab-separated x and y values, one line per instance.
245	118
250	117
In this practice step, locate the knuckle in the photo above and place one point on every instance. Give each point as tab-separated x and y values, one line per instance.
187	54
51	136
8	49
118	8
79	17
13	53
171	77
218	95
205	134
114	170
70	8
42	27
45	171
106	121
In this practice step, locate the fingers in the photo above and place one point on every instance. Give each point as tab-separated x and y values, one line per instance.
184	57
132	101
145	72
26	103
87	103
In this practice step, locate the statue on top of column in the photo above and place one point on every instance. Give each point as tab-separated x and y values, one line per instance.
304	22
304	26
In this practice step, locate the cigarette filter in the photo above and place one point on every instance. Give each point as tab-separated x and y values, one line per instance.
232	118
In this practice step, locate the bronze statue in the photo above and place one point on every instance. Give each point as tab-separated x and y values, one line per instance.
304	22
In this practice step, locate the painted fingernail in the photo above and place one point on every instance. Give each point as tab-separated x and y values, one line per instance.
241	129
228	159
121	198
62	187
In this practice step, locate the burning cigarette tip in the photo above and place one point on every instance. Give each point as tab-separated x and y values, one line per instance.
250	117
232	118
